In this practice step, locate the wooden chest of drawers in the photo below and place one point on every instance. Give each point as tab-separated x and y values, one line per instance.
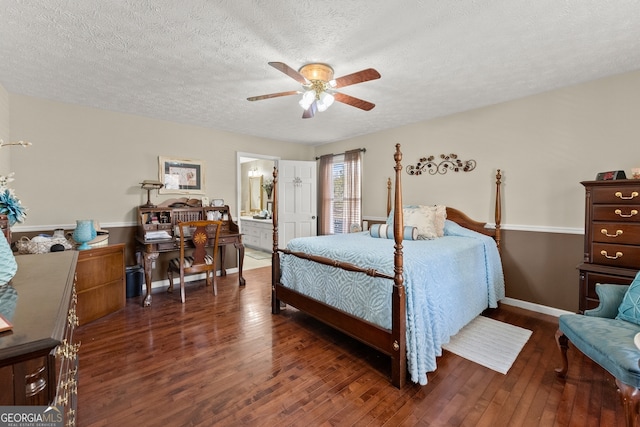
100	282
612	236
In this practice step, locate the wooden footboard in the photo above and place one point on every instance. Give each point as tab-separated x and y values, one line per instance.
391	342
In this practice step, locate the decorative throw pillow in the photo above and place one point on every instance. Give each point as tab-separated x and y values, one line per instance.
429	220
423	218
440	214
384	231
629	309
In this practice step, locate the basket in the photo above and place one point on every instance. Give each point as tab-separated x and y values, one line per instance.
40	244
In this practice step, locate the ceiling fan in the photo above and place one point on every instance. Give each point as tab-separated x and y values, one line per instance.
319	87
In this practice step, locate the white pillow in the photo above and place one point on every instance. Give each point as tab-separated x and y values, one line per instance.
428	219
423	219
440	217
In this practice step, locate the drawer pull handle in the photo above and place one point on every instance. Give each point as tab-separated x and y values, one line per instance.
606	233
629	215
633	195
606	255
35	382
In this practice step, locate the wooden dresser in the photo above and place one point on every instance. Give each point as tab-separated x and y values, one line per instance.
612	236
39	357
100	282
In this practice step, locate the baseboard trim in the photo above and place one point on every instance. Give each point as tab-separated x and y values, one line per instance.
158	284
538	308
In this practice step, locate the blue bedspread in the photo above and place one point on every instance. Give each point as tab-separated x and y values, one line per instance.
449	281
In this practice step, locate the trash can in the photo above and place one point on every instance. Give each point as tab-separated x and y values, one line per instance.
135	278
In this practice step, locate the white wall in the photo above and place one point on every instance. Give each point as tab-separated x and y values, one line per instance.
88	163
5	153
544	145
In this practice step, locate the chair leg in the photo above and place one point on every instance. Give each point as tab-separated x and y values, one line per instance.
213	282
182	286
630	397
563	346
170	277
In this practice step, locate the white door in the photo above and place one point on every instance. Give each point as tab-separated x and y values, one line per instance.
297	200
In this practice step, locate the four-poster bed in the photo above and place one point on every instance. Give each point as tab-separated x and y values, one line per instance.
352	283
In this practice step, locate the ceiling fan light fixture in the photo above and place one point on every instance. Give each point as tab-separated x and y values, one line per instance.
317	71
324	101
318	87
307	99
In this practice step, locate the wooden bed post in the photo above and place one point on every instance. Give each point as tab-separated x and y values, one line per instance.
275	256
498	211
399	326
388	196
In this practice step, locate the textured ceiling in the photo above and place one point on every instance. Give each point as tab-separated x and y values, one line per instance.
196	61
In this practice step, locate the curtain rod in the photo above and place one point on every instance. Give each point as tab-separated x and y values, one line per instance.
363	150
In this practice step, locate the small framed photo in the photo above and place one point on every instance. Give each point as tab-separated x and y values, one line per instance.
205	201
181	176
269	206
611	175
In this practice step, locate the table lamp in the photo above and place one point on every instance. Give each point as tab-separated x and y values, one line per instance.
150	185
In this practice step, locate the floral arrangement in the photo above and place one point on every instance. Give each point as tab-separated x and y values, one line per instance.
10	205
268	186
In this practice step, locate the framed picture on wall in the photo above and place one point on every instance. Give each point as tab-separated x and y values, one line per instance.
181	176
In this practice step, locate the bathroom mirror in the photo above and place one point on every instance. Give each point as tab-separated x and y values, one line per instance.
255	193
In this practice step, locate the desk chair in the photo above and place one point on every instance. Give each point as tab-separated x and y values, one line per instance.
201	239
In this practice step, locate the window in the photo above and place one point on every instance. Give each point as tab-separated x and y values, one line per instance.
340	191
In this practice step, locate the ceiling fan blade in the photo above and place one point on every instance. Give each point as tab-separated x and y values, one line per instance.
281	66
353	101
273	95
359	77
311	111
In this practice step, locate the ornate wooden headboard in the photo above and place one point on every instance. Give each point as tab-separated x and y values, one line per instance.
463	219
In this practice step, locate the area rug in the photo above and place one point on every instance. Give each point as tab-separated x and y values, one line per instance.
489	343
255	254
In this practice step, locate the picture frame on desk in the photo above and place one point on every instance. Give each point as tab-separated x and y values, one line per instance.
181	176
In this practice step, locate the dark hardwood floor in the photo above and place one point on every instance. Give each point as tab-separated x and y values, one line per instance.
226	360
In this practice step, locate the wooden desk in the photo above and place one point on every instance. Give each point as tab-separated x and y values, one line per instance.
165	218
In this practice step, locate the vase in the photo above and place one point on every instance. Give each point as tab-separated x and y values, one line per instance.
8	265
84	232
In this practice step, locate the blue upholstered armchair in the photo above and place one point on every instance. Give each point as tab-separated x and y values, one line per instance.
606	335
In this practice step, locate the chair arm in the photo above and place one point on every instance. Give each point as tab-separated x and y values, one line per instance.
610	299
